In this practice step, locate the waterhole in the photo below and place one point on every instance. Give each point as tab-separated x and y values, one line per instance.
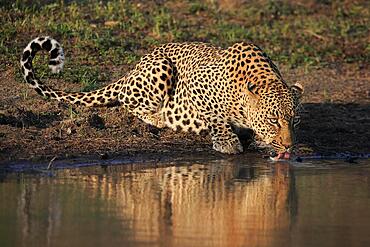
220	202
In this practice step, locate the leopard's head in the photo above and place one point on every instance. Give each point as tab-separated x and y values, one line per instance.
273	114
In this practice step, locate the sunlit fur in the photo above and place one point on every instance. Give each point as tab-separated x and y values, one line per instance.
275	116
192	87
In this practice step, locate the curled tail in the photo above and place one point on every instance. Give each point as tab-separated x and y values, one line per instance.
104	96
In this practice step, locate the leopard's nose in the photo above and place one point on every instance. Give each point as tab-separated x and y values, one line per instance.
287	141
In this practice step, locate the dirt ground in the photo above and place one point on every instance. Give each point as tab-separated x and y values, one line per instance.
335	119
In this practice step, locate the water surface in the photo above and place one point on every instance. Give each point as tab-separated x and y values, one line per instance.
226	202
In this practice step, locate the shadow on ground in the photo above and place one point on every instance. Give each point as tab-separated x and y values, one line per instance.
25	118
336	127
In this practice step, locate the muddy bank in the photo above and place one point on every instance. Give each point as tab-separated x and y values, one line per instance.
335	118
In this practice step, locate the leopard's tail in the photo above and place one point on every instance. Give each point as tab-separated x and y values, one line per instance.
104	96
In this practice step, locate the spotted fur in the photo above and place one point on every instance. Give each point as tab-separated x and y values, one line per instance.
192	87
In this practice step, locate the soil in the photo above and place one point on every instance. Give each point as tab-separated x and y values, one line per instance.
335	119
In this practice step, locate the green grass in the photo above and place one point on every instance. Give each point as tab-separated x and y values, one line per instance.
98	35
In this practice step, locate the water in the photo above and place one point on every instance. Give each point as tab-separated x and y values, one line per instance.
227	202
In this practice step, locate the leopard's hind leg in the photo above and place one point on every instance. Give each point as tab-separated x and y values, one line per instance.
146	88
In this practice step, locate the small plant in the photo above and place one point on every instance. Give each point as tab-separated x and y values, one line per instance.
24	93
326	94
232	33
162	22
196	7
72	113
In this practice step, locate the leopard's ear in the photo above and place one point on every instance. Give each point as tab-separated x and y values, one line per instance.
297	89
252	90
250	95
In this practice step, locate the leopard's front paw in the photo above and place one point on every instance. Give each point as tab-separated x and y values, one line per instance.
228	146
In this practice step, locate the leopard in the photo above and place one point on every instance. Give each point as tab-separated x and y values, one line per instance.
192	87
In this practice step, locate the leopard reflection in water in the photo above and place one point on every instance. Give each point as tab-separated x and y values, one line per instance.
223	204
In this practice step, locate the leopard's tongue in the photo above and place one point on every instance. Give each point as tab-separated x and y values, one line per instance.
286	155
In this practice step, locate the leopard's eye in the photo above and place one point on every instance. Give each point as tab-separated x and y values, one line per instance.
296	120
273	121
